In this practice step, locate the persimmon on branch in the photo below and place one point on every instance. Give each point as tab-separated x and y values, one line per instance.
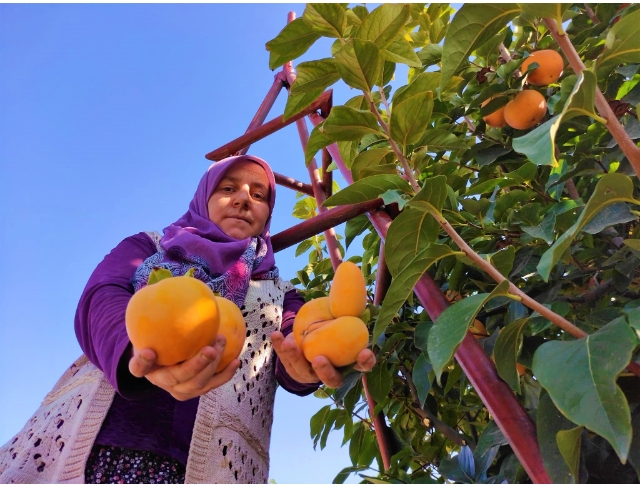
472	254
628	147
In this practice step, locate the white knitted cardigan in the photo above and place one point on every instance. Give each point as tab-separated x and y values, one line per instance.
230	442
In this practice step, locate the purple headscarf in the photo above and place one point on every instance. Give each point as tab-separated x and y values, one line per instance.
224	263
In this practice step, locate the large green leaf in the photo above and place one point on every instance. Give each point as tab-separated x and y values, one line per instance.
402	285
622	44
411	114
451	326
292	42
367	189
401	51
298	102
612	188
549	422
345	123
580	377
318	140
506	351
360	64
473	24
314	76
436	140
431	196
383	24
327	19
539	144
371	158
408	234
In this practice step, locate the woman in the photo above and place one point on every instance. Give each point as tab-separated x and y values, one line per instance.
117	417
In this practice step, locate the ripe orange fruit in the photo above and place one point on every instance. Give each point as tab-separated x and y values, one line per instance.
233	327
495	119
525	110
174	317
549	69
348	293
340	340
330	326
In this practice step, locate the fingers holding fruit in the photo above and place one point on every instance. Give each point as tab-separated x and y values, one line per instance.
293	359
186	340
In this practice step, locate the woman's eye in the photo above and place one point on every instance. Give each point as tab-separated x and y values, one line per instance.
258	196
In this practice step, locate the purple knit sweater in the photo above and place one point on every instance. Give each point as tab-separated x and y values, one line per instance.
143	416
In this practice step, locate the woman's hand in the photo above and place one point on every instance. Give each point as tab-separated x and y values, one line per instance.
188	379
320	369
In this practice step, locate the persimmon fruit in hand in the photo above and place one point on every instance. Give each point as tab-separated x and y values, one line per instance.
330	326
549	69
525	110
233	327
175	317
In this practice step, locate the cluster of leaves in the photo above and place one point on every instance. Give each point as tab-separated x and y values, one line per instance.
553	209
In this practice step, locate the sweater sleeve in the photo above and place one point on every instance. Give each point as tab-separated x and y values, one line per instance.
293	301
99	321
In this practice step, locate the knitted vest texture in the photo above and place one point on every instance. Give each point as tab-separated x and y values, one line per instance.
230	442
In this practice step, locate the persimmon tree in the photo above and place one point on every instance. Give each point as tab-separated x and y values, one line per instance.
532	232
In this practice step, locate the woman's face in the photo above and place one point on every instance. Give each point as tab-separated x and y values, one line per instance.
240	203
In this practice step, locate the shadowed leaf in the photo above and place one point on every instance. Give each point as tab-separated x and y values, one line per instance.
586	391
367	189
292	42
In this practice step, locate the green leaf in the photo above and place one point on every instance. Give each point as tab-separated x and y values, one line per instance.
437	140
367	189
411	114
158	274
394	196
451	326
545	10
379	381
345	472
550	421
314	76
612	188
539	144
506	351
503	259
298	102
401	51
421	335
317	424
489	185
410	232
569	445
345	123
360	64
609	216
430	54
371	158
355	227
292	42
473	25
402	285
586	391
622	44
318	140
191	272
431	196
545	230
327	19
420	376
383	24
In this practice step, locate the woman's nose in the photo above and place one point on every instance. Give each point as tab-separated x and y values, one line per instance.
242	196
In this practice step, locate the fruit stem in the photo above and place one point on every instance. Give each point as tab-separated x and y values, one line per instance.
616	129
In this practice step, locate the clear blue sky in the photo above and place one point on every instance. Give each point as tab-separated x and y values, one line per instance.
106	113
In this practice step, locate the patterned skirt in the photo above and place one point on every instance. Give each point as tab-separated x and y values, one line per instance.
113	465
